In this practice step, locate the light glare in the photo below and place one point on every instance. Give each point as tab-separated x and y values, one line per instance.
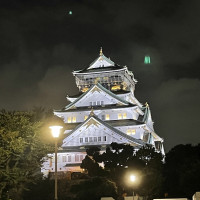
55	130
132	178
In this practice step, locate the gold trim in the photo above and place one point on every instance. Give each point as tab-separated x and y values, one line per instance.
101	52
92	122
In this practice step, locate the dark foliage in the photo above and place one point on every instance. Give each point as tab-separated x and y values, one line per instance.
21	152
182	171
94	189
121	160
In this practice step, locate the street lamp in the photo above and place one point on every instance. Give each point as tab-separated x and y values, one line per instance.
55	132
133	179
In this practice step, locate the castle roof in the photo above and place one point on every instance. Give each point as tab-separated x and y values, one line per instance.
93	119
102	63
99	88
114	123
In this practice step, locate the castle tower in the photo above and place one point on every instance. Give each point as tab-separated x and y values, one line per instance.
105	111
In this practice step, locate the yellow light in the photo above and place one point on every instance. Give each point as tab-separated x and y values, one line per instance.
119	116
132	178
107	116
124	115
74	119
85	117
116	87
55	130
128	132
85	89
131	132
69	120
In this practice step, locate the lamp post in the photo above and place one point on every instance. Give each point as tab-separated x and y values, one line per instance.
55	132
133	179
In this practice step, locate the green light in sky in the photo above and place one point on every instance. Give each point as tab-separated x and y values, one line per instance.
147	60
70	12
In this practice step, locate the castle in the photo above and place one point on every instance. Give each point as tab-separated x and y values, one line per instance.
105	111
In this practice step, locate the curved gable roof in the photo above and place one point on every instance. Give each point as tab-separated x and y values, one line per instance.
96	120
99	87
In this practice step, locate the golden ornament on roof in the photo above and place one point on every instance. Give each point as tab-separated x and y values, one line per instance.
101	52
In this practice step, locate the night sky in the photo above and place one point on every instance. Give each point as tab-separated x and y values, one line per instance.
41	44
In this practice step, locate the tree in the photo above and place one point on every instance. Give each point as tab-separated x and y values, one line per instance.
152	172
182	171
94	189
21	152
92	167
121	159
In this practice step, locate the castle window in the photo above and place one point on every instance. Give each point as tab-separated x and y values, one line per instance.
107	116
131	132
124	116
119	116
90	139
116	87
64	159
96	103
81	140
69	158
74	119
104	138
99	139
85	117
86	139
69	119
85	89
95	139
76	158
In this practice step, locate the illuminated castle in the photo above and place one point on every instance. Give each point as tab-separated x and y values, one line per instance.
105	111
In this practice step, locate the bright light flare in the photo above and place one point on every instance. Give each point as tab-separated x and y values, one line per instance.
55	130
132	178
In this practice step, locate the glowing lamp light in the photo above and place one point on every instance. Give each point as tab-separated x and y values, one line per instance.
55	130
132	178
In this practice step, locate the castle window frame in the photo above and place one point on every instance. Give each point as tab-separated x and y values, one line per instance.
131	132
64	158
124	115
107	117
69	120
76	158
74	119
119	115
69	158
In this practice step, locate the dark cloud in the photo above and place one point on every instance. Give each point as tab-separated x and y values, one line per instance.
177	110
41	44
